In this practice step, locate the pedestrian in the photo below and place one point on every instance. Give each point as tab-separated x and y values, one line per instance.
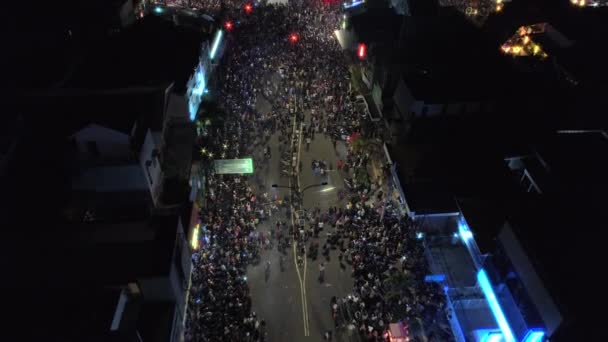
321	272
307	143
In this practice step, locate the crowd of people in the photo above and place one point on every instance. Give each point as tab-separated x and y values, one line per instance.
388	267
286	54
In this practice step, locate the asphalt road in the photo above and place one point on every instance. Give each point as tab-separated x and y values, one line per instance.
293	302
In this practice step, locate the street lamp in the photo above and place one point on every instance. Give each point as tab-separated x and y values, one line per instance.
312	186
295	189
300	192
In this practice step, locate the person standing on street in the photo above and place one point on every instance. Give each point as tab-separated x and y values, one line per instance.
321	272
339	164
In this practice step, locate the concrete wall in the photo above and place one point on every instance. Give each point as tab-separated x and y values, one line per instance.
532	282
377	97
157	289
150	164
127	14
112	145
403	100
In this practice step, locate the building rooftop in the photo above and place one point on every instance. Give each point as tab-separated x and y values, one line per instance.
87	315
155	322
96	254
561	238
93	206
111	178
75	315
583	27
376	25
573	163
485	217
65	111
423	8
436	175
152	51
558	228
447	56
116	253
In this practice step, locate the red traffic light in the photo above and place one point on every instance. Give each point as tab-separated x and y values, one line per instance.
248	8
228	25
293	37
362	51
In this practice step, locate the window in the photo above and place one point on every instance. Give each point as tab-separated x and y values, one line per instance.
93	149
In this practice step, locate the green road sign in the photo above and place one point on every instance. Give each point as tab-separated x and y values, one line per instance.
233	166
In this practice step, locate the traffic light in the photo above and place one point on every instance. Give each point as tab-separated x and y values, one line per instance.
293	38
248	8
228	25
362	51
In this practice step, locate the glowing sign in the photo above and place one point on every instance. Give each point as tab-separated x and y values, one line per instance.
158	10
362	51
197	89
194	239
293	37
434	278
248	8
233	166
464	232
216	43
534	335
354	4
228	25
492	337
488	291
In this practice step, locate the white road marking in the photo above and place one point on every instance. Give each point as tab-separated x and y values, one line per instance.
295	255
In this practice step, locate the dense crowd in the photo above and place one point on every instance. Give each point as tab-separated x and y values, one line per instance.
388	267
287	55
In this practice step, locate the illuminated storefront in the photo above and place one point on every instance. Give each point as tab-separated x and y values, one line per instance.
199	81
482	308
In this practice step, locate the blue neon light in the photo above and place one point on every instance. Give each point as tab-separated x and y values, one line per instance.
419	235
354	4
158	10
488	291
534	336
465	233
216	43
198	90
434	278
492	337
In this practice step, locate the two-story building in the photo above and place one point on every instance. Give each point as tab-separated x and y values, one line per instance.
512	244
426	67
110	279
